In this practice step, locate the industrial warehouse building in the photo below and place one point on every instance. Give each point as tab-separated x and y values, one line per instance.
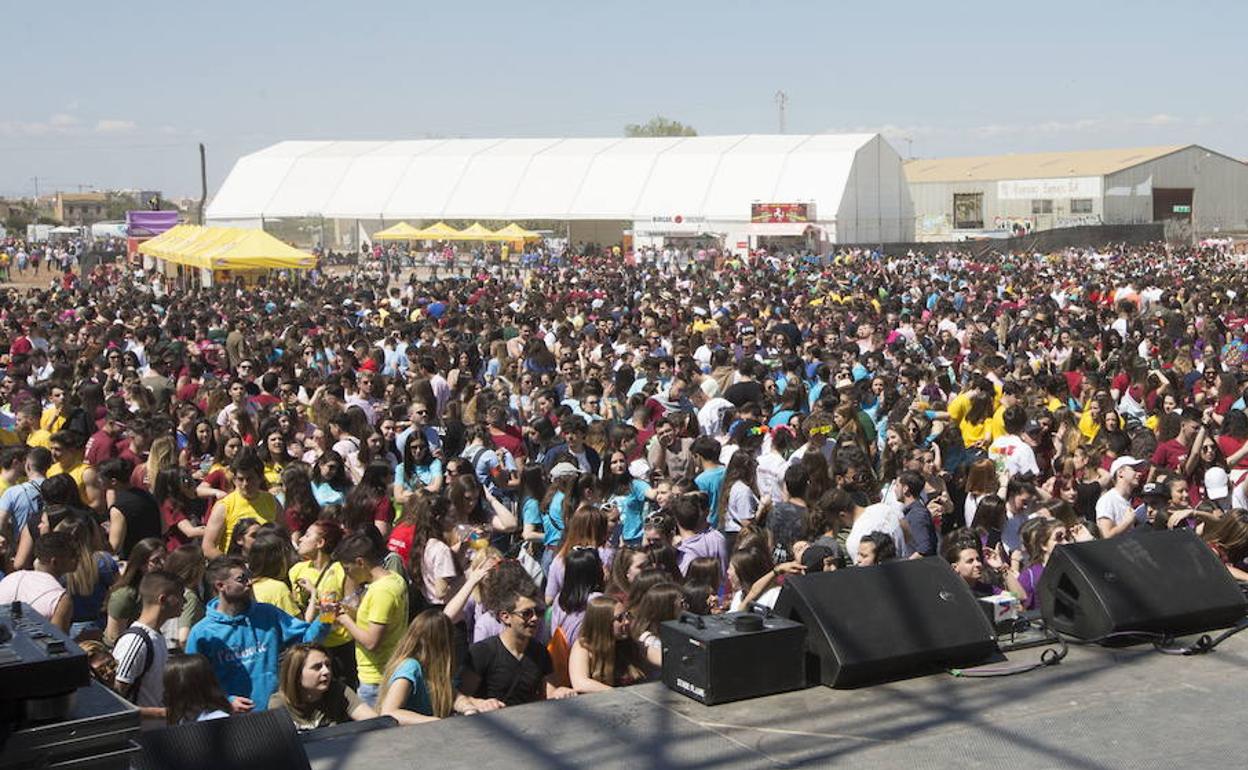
1190	189
735	191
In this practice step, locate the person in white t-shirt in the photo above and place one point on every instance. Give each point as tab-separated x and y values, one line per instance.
1011	453
880	517
141	652
1114	514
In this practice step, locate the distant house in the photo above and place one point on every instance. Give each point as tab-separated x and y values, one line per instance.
78	209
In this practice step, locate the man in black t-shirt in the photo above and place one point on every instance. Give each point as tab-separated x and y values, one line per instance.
747	389
512	667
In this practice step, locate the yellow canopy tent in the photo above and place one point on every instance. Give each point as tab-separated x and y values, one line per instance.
440	231
516	233
477	232
400	232
226	248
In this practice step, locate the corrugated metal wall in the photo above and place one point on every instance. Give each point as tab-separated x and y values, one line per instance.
1220	201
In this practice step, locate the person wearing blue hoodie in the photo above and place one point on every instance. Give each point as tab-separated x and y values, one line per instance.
243	638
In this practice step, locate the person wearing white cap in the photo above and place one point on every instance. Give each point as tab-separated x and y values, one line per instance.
1114	514
1218	487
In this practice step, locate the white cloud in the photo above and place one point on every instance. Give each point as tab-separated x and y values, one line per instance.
59	123
995	129
114	126
1068	126
890	131
1075	126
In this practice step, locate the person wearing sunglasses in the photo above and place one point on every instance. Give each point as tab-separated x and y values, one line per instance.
243	638
512	668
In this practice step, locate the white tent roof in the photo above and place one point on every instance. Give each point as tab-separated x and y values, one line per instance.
715	177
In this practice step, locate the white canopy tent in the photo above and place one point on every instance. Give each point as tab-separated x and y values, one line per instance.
854	181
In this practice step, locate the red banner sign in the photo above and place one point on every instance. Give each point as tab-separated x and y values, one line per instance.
772	213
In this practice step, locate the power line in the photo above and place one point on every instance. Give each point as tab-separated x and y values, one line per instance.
99	148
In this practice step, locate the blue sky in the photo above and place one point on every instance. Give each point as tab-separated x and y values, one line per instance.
118	95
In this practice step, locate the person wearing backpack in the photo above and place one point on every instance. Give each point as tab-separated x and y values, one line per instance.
141	651
21	504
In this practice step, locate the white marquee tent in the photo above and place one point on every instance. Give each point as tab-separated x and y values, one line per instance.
707	183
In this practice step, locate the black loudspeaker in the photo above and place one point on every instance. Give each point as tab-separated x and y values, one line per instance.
1166	582
265	739
891	621
720	658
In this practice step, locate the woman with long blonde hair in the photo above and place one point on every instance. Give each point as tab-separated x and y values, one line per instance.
417	684
162	454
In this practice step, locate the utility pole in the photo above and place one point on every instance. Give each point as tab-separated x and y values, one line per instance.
909	147
203	181
782	99
36	187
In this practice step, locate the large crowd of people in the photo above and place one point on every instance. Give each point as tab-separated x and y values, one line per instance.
367	492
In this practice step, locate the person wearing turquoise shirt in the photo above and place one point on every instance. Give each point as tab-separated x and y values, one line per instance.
706	450
629	496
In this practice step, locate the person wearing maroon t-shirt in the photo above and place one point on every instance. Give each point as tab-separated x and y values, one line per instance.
504	436
266	399
103	443
1171	453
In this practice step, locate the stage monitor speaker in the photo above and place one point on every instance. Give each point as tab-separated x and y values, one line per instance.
721	658
891	621
1166	582
265	739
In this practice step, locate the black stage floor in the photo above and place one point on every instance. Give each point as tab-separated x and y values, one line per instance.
1100	708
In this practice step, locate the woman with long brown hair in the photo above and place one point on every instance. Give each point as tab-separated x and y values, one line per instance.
981	481
738	492
588	526
420	540
662	601
604	656
473	504
192	693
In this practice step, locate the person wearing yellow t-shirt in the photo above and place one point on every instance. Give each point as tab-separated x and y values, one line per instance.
320	579
267	559
1090	421
381	620
249	500
26	427
971	411
53	418
12	467
703	324
67	448
1008	397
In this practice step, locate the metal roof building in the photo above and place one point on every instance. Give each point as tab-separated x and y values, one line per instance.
1191	189
853	184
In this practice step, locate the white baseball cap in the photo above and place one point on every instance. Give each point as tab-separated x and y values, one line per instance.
1121	463
1217	483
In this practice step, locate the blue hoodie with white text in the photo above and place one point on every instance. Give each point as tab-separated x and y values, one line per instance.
245	649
